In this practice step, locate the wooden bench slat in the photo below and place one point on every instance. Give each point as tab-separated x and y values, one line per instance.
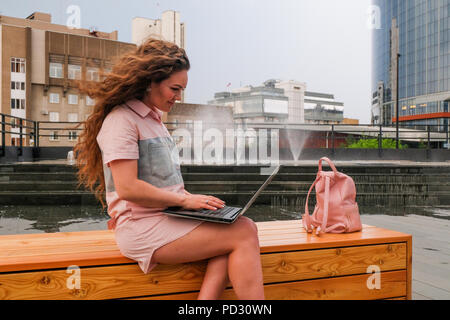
102	282
342	288
16	247
15	264
70	236
289	266
296	265
300	265
310	241
67	249
47	252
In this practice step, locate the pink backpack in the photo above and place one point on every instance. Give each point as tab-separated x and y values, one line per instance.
336	210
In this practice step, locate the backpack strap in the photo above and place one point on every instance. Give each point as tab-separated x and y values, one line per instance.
329	162
306	219
335	226
323	227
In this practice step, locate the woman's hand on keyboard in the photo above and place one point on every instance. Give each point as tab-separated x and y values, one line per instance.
200	201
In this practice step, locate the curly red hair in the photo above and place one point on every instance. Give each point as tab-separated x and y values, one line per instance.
153	61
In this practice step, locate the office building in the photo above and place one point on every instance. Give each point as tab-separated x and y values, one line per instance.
40	62
419	31
255	104
167	28
322	108
281	101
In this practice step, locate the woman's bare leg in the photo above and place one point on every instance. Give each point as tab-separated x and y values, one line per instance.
239	241
216	278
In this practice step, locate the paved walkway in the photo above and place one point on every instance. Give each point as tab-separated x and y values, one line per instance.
431	252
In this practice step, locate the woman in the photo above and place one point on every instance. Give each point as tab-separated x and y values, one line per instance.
127	151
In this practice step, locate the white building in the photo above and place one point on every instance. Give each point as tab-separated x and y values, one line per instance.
281	101
167	28
295	91
322	108
255	104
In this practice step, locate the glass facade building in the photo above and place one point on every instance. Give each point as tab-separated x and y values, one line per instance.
420	31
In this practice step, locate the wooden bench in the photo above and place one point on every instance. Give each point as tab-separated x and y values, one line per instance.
296	265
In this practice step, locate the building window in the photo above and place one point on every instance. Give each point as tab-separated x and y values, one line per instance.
73	99
18	65
72	135
17	103
56	70
54	97
54	116
16	85
89	101
54	136
72	117
16	141
92	74
15	123
74	72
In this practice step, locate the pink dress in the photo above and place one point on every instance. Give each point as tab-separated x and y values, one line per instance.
134	131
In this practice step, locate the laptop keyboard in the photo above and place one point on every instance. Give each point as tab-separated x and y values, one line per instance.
219	212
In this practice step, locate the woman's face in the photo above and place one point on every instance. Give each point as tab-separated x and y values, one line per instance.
164	94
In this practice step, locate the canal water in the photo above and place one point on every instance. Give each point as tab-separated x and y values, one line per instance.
43	219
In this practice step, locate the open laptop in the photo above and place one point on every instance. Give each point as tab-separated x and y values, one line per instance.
224	215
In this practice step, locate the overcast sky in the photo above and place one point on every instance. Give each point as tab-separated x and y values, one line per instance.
325	43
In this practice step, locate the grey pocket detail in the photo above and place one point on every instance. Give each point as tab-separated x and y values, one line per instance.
109	182
156	165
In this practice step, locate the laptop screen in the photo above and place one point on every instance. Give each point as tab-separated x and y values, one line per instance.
255	196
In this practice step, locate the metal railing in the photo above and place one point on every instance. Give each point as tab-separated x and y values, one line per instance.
332	135
13	124
20	128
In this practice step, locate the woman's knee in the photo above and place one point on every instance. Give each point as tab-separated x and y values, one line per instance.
247	229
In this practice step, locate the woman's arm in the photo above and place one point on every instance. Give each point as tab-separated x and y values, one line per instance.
130	188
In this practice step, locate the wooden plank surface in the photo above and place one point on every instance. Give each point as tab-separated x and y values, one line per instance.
57	250
128	280
311	264
340	288
101	282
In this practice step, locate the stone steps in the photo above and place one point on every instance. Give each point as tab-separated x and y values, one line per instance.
288	198
397	187
236	186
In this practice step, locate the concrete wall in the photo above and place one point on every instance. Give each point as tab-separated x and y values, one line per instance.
373	154
419	155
